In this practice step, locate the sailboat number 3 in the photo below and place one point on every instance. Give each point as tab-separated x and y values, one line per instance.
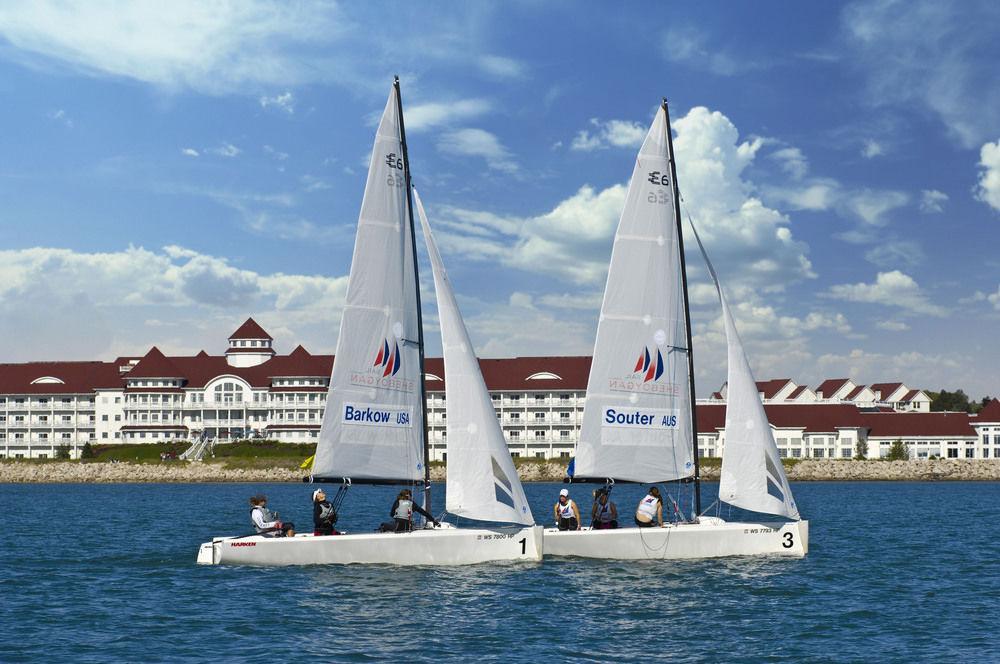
788	543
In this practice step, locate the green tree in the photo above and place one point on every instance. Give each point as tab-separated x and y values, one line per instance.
87	452
861	450
62	452
898	451
954	401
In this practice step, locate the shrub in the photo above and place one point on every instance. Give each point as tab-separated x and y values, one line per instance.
87	452
861	450
63	452
898	451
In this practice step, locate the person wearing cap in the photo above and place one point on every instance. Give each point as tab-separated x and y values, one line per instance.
324	516
567	513
402	514
265	521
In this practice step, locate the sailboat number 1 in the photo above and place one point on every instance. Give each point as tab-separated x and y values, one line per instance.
788	543
524	544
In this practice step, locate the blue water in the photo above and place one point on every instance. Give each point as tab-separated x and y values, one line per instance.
896	572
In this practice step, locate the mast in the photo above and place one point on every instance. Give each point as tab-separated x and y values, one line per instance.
687	312
416	272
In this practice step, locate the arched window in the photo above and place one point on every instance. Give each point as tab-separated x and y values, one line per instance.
228	393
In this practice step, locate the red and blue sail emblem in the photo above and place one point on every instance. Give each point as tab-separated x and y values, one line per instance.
388	358
651	368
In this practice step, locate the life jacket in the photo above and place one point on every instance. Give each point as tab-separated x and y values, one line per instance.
327	513
404	510
266	515
604	512
647	506
566	511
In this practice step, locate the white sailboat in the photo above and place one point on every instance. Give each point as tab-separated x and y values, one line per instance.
639	419
374	429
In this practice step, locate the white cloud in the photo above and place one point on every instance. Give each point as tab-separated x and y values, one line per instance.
225	150
892	325
189	152
689	45
988	189
502	67
994	299
872	205
928	371
62	117
572	241
892	289
872	149
932	200
276	154
933	55
609	133
894	253
420	117
284	102
312	183
792	161
216	47
478	143
104	304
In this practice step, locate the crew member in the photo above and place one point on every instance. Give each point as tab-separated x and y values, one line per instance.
649	508
567	513
402	514
324	516
604	514
265	521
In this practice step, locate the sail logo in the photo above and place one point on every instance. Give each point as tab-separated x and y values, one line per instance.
388	358
368	414
650	368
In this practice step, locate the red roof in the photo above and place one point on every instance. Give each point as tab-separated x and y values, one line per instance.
854	393
919	425
885	389
911	395
250	330
771	387
154	364
812	418
76	377
990	413
797	392
829	386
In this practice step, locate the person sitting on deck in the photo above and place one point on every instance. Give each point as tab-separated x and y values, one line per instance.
567	513
265	521
324	515
649	507
604	514
402	514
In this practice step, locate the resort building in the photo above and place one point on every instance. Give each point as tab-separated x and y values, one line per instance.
251	391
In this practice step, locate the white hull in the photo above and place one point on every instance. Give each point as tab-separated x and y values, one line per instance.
710	538
438	546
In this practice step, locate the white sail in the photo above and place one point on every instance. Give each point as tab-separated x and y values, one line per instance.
482	481
753	476
637	423
373	425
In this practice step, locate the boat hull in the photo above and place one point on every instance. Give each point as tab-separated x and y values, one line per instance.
710	538
438	546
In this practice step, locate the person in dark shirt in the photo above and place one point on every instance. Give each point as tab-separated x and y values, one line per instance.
324	516
402	514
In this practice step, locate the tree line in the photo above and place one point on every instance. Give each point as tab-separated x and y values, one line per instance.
956	401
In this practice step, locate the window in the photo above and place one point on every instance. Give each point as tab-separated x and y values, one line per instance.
539	455
104	434
515	416
564	455
104	418
66	436
952	453
986	453
564	398
118	399
118	418
818	453
796	453
564	417
539	416
782	452
564	435
515	435
515	455
969	452
539	398
845	453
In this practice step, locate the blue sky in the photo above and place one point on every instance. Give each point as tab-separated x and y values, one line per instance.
166	172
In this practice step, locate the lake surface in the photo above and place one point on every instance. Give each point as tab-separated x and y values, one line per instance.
896	572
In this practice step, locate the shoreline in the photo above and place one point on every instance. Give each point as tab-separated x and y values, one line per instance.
809	470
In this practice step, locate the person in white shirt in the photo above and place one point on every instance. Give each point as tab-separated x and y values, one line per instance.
566	512
650	507
265	521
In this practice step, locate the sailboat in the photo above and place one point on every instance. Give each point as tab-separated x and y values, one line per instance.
374	427
639	421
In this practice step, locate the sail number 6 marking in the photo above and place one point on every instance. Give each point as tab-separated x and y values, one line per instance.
788	543
524	544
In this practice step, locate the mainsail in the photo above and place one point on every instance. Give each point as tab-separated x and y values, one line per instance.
482	481
753	476
637	419
373	425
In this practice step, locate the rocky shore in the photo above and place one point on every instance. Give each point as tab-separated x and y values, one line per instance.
804	471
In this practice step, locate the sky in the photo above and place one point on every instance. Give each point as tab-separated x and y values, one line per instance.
168	169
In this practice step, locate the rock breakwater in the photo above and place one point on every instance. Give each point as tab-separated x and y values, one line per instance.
804	471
